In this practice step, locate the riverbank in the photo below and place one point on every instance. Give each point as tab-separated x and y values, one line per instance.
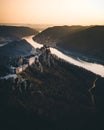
93	67
79	56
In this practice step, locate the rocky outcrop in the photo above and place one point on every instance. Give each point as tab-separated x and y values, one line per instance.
59	94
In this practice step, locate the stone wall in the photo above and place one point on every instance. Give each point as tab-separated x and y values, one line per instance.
19	70
31	60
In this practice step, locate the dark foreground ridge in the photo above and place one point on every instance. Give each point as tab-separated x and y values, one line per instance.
57	98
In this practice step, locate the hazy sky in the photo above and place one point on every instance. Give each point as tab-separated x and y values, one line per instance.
72	12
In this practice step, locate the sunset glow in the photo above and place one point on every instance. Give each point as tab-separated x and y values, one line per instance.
71	12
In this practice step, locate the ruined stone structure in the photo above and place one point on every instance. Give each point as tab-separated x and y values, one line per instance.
31	60
24	63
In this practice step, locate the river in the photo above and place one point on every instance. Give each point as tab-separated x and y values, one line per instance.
93	67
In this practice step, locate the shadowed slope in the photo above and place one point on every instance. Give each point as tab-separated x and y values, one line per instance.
88	41
58	99
17	31
13	50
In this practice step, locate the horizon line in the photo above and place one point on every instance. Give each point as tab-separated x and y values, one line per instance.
46	24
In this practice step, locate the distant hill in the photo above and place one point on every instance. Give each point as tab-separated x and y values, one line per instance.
53	35
17	31
14	49
88	40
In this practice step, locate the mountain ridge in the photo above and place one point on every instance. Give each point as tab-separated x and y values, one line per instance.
86	40
14	46
17	31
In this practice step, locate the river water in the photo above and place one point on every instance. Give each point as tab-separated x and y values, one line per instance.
93	67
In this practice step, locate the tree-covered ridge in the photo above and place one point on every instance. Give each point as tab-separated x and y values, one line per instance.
16	31
85	40
53	35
